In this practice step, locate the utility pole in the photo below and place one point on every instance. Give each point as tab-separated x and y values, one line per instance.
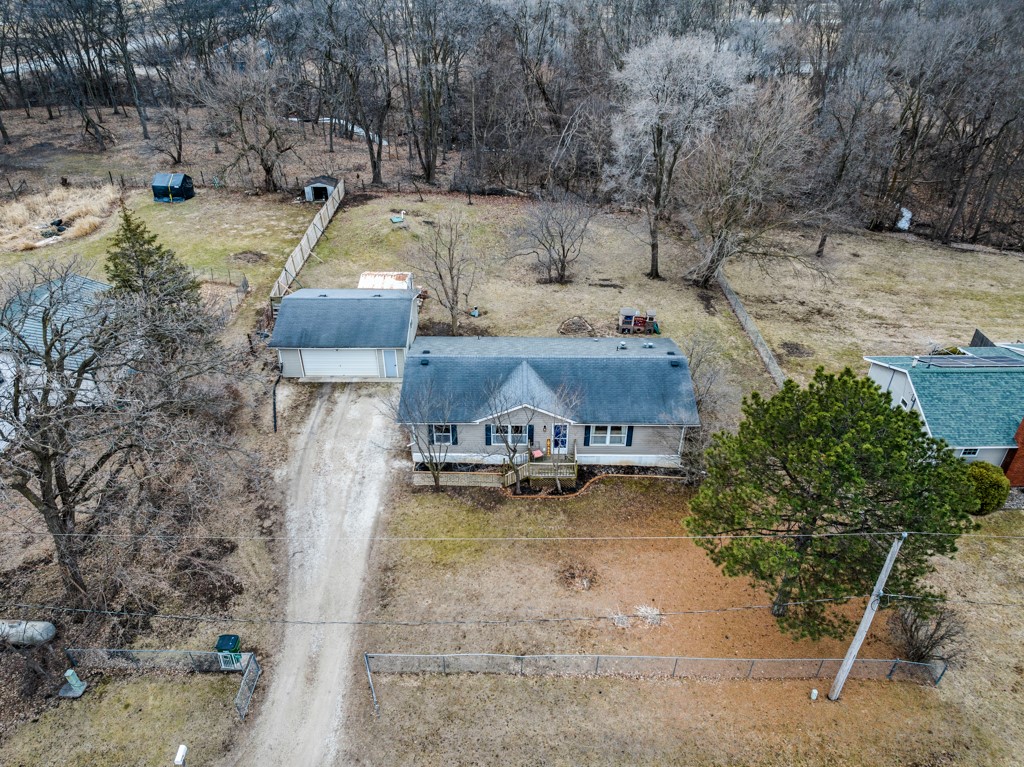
865	622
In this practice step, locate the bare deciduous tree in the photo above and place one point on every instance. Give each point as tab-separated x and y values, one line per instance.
90	408
247	97
671	92
169	135
924	635
743	180
555	233
425	415
447	266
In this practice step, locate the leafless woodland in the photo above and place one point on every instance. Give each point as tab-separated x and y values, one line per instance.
722	119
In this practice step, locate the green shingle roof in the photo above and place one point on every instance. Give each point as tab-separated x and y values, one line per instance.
977	407
968	407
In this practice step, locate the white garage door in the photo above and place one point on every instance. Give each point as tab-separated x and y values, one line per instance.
340	362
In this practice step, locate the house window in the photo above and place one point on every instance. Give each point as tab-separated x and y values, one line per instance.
904	404
607	435
969	451
511	434
441	434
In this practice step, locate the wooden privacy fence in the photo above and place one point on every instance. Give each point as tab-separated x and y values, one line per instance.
300	255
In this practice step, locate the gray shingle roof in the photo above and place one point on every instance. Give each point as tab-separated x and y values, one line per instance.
68	302
344	319
586	380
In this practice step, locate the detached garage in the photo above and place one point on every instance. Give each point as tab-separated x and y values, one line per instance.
345	335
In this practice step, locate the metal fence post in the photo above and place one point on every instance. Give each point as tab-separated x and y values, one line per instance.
750	671
369	678
892	671
674	667
820	667
945	668
444	664
597	665
521	660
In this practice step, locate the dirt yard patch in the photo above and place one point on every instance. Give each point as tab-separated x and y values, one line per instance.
479	720
880	294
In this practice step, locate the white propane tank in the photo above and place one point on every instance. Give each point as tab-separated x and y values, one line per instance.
814	694
27	633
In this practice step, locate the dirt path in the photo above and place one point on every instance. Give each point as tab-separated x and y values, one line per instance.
338	475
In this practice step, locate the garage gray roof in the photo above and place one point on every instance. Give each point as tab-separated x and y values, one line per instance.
344	319
586	380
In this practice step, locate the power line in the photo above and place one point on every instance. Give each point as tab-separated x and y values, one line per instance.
464	622
490	538
943	600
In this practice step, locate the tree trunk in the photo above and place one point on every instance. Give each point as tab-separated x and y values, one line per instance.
652	223
3	132
820	252
67	556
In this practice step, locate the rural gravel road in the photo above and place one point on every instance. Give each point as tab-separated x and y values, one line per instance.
338	476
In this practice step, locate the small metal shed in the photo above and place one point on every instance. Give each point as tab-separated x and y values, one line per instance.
320	188
173	187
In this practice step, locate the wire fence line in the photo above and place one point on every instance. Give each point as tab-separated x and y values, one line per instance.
169	661
647	667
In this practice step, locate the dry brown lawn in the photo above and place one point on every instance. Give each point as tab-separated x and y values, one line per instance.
464	719
880	294
511	301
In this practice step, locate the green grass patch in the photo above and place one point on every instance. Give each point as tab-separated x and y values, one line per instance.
138	721
610	507
205	232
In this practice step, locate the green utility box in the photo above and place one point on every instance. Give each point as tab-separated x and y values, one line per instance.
230	657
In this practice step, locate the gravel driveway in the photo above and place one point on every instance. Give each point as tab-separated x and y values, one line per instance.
338	477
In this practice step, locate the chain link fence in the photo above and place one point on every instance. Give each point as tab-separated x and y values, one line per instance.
250	676
174	661
648	667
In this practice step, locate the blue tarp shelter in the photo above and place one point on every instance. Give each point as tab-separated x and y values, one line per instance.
172	187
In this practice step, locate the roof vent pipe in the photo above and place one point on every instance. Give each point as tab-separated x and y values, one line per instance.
622	344
424	362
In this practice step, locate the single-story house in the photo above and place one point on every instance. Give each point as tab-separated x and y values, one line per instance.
28	324
487	400
345	335
318	189
173	187
973	400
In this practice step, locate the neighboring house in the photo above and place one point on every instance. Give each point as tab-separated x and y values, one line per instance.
973	400
345	335
597	400
28	326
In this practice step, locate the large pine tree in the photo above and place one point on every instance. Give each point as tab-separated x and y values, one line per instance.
827	474
139	265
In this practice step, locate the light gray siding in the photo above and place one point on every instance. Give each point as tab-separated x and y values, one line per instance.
648	442
291	363
993	455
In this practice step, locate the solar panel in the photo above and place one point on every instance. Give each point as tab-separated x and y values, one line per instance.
969	361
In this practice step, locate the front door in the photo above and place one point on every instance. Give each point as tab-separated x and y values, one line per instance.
560	439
